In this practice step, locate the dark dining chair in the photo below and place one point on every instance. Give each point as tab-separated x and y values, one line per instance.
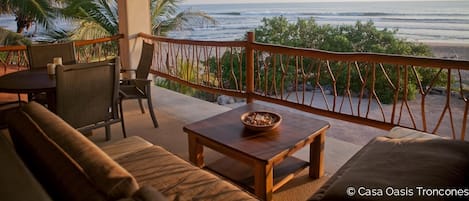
139	88
41	54
87	95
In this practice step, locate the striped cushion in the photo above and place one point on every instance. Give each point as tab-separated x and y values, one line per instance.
176	178
125	146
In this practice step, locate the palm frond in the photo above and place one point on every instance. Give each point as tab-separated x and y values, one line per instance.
182	19
106	15
55	35
39	11
88	31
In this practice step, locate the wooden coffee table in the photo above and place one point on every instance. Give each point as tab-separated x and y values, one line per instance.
267	155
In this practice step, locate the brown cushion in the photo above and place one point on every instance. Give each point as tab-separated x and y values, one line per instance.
177	179
401	164
105	173
146	193
62	178
16	181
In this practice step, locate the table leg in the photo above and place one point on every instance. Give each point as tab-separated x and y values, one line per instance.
196	151
264	180
316	156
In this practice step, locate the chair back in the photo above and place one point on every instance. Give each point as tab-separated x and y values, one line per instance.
41	54
88	93
146	59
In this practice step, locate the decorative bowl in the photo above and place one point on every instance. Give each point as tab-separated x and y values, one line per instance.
261	120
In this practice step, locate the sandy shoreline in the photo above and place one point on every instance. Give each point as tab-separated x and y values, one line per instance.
449	50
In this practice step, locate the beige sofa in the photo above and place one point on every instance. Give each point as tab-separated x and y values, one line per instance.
70	167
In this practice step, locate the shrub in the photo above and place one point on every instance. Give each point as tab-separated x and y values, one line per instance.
361	37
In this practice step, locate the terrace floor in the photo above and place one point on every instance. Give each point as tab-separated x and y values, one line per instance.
174	110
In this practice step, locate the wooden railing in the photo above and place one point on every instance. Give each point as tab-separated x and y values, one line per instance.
378	90
87	50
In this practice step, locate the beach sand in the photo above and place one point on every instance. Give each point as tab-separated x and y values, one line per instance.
450	50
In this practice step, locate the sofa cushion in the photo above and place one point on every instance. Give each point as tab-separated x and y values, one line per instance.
406	133
108	176
176	178
125	146
146	193
404	165
62	178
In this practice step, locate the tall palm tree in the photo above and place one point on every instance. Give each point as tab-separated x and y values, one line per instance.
99	18
28	12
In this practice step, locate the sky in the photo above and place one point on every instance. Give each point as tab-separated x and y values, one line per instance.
271	1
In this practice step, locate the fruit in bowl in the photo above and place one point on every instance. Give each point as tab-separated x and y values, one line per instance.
261	120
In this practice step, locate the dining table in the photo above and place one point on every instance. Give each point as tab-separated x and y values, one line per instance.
30	81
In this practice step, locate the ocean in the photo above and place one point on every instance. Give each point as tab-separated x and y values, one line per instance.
430	21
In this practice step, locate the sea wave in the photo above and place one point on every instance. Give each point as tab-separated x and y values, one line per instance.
428	20
371	14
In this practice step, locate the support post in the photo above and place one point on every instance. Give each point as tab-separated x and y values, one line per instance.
134	17
250	67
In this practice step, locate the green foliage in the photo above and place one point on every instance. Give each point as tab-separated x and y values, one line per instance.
8	37
361	37
228	69
11	38
188	72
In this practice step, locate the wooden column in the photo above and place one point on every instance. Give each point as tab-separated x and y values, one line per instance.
250	67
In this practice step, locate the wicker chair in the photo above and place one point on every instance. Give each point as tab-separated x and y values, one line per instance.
87	95
139	88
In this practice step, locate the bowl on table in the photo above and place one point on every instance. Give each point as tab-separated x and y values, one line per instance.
261	120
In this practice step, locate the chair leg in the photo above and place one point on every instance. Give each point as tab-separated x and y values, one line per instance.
122	118
141	106
108	132
150	108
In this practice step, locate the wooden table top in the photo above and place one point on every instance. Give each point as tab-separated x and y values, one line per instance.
27	81
228	130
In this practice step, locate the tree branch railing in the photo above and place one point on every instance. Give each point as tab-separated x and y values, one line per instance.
87	51
377	90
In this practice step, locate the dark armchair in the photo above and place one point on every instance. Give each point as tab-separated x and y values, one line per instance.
87	95
139	88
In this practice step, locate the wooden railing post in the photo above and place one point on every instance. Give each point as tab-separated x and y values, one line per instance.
250	67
